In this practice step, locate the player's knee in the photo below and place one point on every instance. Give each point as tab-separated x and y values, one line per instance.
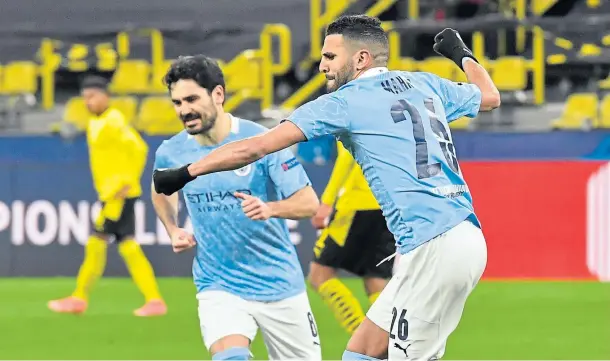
369	340
374	285
318	274
230	345
233	353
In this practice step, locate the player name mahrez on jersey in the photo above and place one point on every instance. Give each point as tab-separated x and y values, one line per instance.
451	191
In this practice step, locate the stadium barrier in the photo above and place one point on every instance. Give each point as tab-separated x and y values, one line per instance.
543	218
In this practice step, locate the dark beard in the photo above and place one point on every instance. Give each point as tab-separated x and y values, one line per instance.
343	77
205	126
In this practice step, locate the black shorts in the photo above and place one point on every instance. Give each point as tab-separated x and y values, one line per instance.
356	241
121	228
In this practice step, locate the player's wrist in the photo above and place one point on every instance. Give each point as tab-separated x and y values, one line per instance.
274	210
463	57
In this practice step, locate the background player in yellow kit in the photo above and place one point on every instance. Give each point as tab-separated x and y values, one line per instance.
355	239
117	155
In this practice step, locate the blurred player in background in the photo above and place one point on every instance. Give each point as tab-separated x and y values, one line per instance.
118	156
356	239
246	268
395	124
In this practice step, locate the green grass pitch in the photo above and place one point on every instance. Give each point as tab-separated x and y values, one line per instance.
502	320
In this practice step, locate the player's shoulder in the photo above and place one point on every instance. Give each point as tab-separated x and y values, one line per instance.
115	117
169	145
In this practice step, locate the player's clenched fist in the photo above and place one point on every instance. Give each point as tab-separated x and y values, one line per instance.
253	207
182	240
449	44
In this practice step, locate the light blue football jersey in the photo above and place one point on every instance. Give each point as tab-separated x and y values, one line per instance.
254	260
395	124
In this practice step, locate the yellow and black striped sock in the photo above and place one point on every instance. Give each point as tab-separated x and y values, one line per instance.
92	267
342	302
140	269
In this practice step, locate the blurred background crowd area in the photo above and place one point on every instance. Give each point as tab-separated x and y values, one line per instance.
549	58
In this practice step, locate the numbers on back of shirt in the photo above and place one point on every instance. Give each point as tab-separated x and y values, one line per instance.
425	169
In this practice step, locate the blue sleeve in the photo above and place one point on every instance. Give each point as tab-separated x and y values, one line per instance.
286	172
161	159
323	116
460	99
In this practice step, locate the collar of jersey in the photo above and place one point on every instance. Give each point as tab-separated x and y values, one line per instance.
373	72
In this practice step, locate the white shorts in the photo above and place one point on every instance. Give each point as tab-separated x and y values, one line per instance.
423	302
288	326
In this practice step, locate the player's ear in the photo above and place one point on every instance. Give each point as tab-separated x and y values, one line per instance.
218	95
363	59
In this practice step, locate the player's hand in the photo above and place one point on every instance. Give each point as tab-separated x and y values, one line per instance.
449	44
253	207
182	240
122	193
320	220
170	181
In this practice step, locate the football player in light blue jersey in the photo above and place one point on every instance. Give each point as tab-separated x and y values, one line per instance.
246	268
395	124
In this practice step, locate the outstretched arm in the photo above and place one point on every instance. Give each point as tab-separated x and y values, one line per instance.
243	152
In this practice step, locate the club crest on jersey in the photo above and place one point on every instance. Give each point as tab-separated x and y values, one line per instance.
243	171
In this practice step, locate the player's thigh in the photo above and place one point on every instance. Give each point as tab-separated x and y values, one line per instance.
116	218
126	225
221	315
435	282
289	328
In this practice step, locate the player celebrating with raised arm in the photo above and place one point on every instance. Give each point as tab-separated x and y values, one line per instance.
395	124
246	268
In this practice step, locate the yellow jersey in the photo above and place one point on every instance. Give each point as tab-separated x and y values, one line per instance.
117	155
347	185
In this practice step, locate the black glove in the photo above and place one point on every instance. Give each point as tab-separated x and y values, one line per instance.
449	44
169	181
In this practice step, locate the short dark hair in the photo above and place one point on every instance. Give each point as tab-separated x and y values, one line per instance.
359	27
199	68
95	82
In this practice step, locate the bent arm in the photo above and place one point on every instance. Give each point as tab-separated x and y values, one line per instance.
477	75
166	208
243	152
302	204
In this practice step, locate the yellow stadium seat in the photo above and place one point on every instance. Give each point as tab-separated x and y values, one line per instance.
126	105
510	73
76	113
156	80
460	123
106	57
604	119
442	67
243	72
157	117
20	77
130	77
579	108
77	57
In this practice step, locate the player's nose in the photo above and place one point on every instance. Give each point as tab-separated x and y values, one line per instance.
323	67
